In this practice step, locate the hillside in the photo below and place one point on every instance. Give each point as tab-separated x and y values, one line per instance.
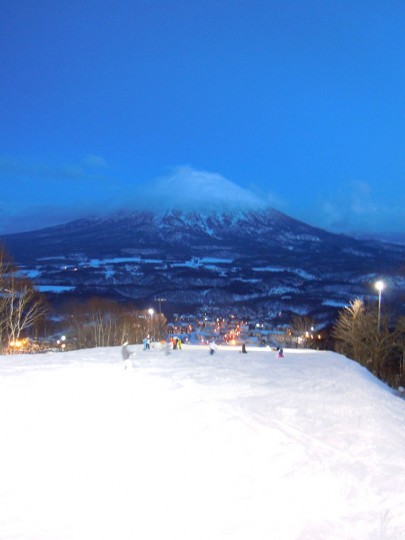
257	261
188	447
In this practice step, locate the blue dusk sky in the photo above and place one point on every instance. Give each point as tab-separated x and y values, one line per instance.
122	104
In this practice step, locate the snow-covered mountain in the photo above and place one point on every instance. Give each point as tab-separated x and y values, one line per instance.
260	259
189	446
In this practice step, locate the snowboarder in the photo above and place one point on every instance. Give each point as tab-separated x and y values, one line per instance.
213	347
244	348
280	353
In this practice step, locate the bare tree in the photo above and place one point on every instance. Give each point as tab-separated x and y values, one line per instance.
94	323
5	271
102	323
400	342
21	306
303	328
25	307
346	331
358	336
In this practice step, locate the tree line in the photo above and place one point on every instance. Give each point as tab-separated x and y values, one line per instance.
21	306
376	342
95	322
100	322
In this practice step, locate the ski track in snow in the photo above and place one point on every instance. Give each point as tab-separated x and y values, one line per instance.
192	446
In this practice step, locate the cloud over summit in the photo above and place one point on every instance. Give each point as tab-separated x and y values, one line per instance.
192	189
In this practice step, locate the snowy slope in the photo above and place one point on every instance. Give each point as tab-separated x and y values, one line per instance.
189	446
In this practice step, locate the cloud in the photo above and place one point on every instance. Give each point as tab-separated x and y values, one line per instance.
36	217
40	194
24	170
356	209
184	188
192	189
95	162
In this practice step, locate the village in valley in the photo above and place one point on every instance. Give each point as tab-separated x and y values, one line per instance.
233	331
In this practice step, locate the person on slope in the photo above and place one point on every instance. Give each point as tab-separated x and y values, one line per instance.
213	347
146	343
168	347
126	354
280	353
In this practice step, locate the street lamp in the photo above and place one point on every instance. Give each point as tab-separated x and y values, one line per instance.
379	286
151	311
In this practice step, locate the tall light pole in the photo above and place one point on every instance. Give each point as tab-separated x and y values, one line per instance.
160	300
151	311
379	286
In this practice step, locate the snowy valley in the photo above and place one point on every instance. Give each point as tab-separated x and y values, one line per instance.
259	262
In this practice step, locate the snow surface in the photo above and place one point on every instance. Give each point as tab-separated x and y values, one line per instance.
54	288
298	271
198	447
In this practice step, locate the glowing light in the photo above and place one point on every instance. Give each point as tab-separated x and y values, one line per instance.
18	343
379	285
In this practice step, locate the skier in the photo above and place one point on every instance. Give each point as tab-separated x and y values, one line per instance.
213	347
244	348
280	353
168	347
124	351
126	355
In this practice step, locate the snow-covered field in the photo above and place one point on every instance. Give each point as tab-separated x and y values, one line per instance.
189	446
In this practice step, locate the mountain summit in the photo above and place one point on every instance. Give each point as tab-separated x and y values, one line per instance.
199	191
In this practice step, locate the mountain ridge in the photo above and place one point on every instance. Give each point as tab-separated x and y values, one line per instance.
254	259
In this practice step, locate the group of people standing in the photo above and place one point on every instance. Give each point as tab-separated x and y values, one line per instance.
176	343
